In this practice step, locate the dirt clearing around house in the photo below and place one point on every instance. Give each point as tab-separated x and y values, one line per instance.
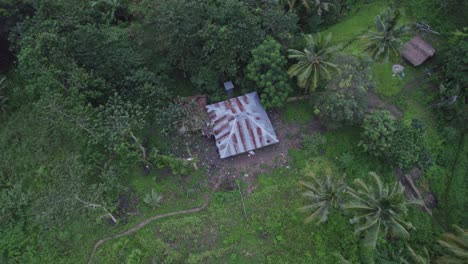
248	165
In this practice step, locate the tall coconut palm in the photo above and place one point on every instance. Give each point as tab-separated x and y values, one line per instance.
322	194
457	246
314	62
379	208
384	42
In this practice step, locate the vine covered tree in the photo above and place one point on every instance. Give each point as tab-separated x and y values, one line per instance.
267	70
379	209
384	42
314	62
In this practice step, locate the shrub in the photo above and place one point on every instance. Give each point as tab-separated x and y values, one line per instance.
342	107
377	133
344	101
267	70
152	199
407	147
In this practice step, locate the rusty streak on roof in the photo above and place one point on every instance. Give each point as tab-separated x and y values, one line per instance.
240	125
417	50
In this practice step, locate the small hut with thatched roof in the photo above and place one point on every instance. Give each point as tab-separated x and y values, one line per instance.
417	50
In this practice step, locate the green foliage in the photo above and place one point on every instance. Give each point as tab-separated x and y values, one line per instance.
267	70
384	42
324	193
314	144
181	118
313	64
116	125
415	258
379	209
377	133
344	100
152	199
112	10
134	257
3	97
279	24
455	65
456	246
179	30
178	166
407	147
340	108
436	12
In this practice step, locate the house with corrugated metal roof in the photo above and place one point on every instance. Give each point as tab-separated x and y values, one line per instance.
240	125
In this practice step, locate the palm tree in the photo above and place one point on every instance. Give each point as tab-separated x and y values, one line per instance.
323	194
385	41
378	207
456	244
415	258
313	62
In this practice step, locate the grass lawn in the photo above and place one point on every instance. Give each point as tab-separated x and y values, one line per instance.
357	22
388	85
298	112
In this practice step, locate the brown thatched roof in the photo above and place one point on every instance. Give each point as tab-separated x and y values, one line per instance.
417	50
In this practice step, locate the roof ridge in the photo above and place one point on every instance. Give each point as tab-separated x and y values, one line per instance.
262	128
229	142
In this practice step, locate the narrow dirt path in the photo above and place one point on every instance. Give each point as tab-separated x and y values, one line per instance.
156	217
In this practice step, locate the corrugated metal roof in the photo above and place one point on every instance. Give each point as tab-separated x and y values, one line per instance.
240	124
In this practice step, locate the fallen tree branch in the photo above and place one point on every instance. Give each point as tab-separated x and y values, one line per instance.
94	206
418	193
151	219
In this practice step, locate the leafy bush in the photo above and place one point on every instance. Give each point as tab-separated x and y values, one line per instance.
344	101
377	133
267	70
314	144
342	107
407	147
